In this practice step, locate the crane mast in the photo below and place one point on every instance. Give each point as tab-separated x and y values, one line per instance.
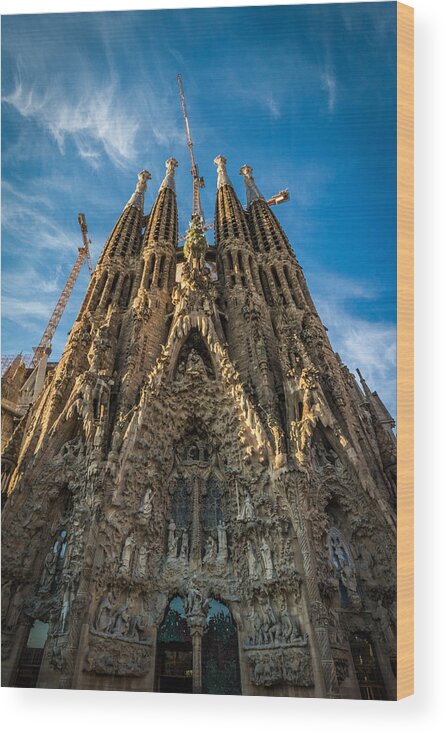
83	253
198	182
87	242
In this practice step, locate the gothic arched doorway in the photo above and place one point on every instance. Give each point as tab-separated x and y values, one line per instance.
209	663
174	651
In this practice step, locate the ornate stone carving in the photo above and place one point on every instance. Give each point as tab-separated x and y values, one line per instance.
281	666
116	657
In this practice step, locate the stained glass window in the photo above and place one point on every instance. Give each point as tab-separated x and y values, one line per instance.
212	505
182	504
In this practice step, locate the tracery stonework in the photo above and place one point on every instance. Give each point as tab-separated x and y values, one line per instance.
202	498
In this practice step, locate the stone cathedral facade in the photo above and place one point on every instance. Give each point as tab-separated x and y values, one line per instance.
202	499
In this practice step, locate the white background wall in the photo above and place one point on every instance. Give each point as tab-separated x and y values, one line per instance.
74	711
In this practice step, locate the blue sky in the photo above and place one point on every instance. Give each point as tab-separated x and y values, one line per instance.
305	94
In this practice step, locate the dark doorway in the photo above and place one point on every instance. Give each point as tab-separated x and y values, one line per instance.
174	651
367	668
31	658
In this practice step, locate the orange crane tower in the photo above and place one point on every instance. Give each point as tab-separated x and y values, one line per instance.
83	253
198	181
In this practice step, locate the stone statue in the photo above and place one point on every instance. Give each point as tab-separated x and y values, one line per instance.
193	601
344	565
210	550
247	510
122	620
142	626
287	627
383	617
146	504
172	540
250	625
67	601
195	245
49	570
253	570
194	362
104	618
15	607
267	560
126	556
222	541
184	546
142	556
269	624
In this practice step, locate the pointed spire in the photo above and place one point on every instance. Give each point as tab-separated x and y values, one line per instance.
364	384
222	175
253	193
137	198
168	181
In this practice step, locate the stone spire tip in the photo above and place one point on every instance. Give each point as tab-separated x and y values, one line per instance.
168	181
137	198
222	176
253	193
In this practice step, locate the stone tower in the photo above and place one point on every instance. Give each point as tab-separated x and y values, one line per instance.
203	498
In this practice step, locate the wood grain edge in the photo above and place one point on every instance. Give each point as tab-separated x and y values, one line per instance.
405	351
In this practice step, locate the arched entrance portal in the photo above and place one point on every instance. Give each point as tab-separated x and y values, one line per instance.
174	668
197	651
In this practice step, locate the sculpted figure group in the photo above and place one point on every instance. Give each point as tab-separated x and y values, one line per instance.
267	628
118	620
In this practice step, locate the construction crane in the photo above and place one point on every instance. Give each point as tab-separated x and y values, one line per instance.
198	182
87	242
279	198
83	253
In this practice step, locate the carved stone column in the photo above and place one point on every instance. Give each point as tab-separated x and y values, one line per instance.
196	546
197	628
80	604
319	618
320	622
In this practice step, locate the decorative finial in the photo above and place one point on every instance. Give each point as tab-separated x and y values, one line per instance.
137	198
222	176
253	193
168	181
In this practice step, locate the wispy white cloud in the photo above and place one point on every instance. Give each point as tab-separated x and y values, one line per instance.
96	119
22	311
329	84
39	230
273	106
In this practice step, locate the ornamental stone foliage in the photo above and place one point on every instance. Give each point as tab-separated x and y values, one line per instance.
202	486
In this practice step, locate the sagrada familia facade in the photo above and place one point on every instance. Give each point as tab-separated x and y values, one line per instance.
203	498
